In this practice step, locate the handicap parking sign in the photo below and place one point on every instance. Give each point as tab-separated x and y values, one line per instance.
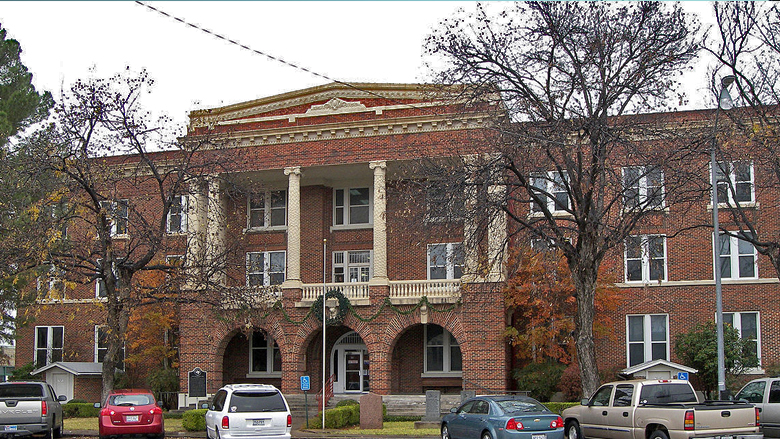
305	383
682	376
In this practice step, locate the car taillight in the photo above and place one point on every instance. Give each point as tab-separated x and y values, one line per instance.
225	423
289	420
155	411
512	424
44	408
689	421
557	423
104	412
758	417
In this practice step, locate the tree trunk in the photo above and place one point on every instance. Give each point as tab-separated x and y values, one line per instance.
584	276
117	318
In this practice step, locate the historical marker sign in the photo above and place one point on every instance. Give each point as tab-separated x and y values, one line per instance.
197	383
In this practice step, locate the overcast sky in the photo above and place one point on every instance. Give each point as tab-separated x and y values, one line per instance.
350	41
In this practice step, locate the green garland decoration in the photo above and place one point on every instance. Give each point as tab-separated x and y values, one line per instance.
343	307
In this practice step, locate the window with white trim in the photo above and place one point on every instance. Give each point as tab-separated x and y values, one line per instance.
264	356
49	343
645	258
735	182
749	326
353	206
101	347
267	209
442	351
117	214
100	283
738	258
643	187
445	261
352	266
647	338
52	284
550	187
265	268
443	203
177	215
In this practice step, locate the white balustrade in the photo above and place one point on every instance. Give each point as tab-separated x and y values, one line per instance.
351	290
429	288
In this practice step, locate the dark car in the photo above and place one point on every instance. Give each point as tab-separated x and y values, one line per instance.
501	417
131	412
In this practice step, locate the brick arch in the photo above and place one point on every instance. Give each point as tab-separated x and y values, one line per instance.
270	325
450	321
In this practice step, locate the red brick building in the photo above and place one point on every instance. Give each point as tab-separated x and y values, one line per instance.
310	200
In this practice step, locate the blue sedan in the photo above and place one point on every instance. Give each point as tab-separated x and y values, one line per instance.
501	417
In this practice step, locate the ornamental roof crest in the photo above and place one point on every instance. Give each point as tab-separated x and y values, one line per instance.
335	105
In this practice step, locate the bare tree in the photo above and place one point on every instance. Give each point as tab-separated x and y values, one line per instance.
126	189
565	163
746	44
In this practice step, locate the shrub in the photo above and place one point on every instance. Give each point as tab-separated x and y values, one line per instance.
559	407
80	410
338	417
539	379
345	402
570	384
194	420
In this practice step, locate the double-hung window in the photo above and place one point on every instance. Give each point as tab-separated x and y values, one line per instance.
735	182
643	187
100	282
101	347
353	206
550	188
445	261
265	268
748	325
265	356
49	342
738	257
645	258
442	351
268	209
117	214
442	204
177	215
647	338
352	266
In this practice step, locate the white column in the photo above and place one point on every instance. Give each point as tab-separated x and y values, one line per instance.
470	238
215	229
293	276
380	224
497	236
196	234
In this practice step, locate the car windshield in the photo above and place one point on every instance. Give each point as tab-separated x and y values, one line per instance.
667	393
256	401
520	406
21	391
131	400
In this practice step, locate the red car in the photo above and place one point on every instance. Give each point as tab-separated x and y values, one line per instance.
131	412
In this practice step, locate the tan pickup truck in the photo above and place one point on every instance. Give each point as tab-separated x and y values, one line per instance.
658	409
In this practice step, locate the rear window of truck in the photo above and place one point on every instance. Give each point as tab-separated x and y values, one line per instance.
667	393
21	391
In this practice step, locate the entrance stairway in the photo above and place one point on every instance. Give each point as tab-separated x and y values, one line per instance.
397	405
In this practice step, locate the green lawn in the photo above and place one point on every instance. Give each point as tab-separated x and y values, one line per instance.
171	425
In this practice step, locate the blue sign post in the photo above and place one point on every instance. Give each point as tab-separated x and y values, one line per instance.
305	386
682	376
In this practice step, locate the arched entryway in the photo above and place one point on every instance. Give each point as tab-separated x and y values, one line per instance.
349	362
252	357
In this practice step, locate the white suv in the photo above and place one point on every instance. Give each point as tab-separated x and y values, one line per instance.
248	410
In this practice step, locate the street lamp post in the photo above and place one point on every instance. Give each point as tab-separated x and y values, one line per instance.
724	102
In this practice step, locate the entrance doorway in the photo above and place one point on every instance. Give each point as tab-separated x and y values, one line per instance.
350	363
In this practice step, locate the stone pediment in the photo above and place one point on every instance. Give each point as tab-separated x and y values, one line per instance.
334	106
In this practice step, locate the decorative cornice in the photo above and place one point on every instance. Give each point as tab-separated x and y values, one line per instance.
335	106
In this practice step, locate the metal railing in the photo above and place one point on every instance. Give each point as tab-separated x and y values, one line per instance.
328	390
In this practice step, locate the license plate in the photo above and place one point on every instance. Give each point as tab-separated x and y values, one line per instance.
133	418
539	436
258	422
10	428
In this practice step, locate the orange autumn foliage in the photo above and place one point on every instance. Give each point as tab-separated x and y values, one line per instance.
541	295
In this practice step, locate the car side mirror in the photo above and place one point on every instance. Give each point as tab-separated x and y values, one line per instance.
62	398
453	409
584	401
96	405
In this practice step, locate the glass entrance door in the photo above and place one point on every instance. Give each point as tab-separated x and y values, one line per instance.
353	371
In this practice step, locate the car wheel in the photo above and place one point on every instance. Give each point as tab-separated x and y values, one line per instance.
445	432
486	435
573	431
49	433
659	434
